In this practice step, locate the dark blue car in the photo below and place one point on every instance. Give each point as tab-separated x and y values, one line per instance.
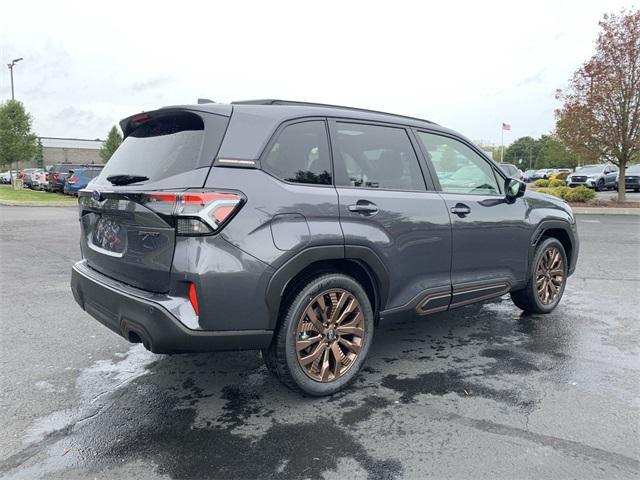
79	178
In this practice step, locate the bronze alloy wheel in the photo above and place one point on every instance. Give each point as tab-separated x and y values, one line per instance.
549	276
330	335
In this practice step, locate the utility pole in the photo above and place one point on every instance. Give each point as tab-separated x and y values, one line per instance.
11	65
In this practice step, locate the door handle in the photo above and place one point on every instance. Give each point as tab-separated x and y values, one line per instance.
461	209
364	207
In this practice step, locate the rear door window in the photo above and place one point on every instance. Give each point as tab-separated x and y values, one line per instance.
374	156
300	154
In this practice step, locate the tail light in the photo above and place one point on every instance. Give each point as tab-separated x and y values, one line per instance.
196	213
72	180
20	175
46	177
55	177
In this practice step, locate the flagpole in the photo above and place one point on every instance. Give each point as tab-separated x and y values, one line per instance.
502	143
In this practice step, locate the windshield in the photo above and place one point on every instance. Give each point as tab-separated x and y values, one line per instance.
159	148
589	169
633	168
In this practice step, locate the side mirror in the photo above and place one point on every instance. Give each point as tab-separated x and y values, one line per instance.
514	188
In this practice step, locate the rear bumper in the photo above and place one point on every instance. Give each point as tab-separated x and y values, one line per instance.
159	330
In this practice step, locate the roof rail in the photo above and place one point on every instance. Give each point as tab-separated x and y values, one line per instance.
274	101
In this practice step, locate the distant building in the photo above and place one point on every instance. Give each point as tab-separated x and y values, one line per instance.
71	150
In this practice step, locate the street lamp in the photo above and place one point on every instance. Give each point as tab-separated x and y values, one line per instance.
11	65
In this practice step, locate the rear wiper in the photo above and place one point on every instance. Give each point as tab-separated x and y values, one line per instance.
126	179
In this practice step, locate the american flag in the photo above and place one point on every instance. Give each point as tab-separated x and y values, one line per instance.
506	126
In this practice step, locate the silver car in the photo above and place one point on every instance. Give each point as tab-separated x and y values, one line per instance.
598	177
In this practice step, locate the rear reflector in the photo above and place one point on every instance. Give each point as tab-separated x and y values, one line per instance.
197	213
193	298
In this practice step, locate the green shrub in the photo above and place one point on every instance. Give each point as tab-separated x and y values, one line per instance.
541	183
557	183
560	192
580	194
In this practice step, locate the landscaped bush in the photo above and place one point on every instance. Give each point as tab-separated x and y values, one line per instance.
561	175
541	183
557	183
580	194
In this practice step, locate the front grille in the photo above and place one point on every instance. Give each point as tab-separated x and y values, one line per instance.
578	179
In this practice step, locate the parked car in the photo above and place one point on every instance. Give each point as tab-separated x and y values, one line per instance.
39	179
79	178
512	171
543	173
631	178
528	175
598	177
58	174
25	176
5	177
295	228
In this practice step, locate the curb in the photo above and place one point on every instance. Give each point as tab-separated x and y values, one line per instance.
11	203
605	211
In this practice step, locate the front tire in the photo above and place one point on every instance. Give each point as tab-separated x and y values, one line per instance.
547	279
599	186
323	336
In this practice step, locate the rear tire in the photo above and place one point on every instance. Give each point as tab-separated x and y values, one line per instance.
319	351
547	279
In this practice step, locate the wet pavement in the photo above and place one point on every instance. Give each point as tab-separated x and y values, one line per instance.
482	391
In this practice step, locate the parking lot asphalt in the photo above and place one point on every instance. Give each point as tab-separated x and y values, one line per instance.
631	196
482	391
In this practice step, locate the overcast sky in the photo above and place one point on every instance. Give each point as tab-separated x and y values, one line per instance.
465	65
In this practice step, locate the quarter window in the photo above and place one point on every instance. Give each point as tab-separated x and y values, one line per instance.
372	156
459	168
301	154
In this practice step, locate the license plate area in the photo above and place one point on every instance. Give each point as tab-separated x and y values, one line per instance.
109	236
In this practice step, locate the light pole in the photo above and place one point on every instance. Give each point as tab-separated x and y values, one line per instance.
11	65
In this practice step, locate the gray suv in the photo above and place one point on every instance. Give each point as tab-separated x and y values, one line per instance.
598	177
296	228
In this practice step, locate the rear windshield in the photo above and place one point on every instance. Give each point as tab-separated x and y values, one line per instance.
88	172
162	147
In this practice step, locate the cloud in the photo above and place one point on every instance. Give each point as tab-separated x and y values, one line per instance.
532	79
151	83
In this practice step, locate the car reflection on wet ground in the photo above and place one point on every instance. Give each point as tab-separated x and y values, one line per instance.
480	391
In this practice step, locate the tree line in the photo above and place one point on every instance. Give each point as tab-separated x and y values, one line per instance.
548	151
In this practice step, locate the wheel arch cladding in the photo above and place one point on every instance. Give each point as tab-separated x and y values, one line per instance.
562	231
318	260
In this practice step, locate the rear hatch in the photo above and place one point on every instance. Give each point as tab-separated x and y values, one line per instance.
128	230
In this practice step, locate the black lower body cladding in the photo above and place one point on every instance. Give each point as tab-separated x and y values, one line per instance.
141	319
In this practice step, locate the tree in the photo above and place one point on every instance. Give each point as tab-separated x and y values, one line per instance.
525	149
39	158
600	116
17	141
554	153
109	146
